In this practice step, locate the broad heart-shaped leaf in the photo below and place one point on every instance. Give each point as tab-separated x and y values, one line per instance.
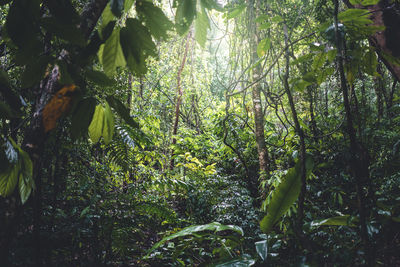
155	20
120	108
202	24
137	45
285	195
190	230
184	16
263	47
344	220
82	117
96	126
262	249
111	54
108	129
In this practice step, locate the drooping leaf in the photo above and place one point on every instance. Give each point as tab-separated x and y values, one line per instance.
108	128
96	126
137	45
82	117
185	13
190	230
112	55
201	26
154	19
344	220
120	108
285	195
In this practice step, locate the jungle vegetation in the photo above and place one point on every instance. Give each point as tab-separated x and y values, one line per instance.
199	133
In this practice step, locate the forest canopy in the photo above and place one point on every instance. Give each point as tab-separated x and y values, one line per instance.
199	133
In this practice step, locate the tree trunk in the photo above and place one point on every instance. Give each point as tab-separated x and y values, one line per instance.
256	96
179	98
359	162
302	155
35	137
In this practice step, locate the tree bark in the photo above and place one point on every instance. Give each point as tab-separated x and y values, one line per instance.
302	155
359	162
35	136
179	98
263	157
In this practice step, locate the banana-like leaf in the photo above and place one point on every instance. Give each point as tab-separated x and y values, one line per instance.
344	220
285	195
190	230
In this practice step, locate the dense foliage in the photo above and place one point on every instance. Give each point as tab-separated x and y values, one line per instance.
199	133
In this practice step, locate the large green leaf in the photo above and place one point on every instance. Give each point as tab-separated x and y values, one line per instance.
111	54
285	195
202	24
344	220
155	20
96	126
102	124
108	129
137	45
185	12
190	230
